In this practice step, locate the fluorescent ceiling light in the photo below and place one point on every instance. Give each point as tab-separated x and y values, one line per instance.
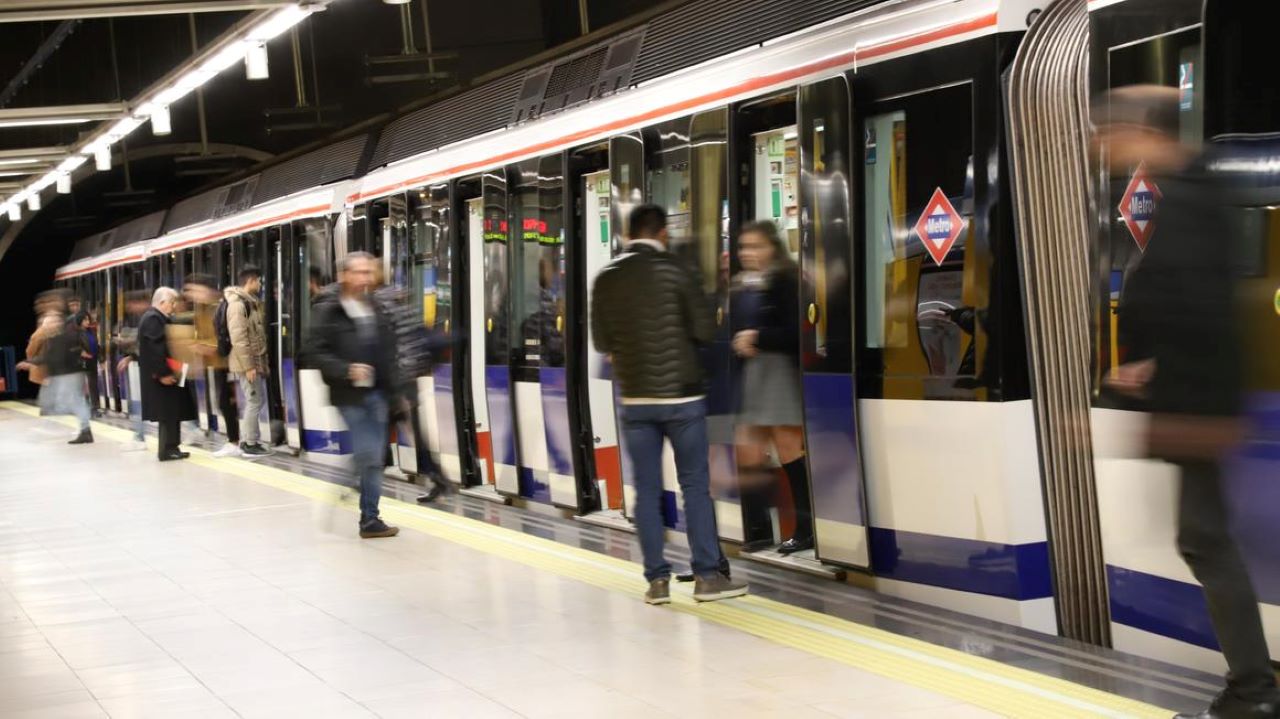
25	161
286	18
35	122
72	163
256	66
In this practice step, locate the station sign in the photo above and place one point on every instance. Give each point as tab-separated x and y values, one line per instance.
939	226
1138	206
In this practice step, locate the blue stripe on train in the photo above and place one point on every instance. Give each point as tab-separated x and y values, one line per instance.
1012	571
327	442
1161	606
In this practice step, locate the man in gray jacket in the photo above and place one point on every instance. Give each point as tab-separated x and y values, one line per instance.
248	359
650	317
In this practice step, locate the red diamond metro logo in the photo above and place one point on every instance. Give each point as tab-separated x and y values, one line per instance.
939	226
1138	206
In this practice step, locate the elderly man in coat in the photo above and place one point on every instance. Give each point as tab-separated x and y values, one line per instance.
165	399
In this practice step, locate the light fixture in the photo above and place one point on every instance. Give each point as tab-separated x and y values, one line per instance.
35	122
287	17
397	2
161	123
64	184
33	201
15	212
102	157
255	61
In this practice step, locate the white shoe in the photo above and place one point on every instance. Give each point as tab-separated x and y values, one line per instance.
228	450
136	445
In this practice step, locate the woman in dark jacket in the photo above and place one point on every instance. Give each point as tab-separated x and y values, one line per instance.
164	400
769	345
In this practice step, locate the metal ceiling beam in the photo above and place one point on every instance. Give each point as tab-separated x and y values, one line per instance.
42	10
41	55
49	153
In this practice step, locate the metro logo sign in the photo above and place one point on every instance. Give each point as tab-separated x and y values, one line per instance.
1138	206
939	226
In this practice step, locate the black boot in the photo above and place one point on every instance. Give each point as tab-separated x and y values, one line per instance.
798	478
1228	706
85	437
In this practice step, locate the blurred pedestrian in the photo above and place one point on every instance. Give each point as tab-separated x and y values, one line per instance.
1185	359
166	396
353	345
771	417
135	305
202	296
248	358
87	323
60	354
50	308
650	317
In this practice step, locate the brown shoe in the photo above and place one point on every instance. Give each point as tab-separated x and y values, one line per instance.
659	592
377	529
711	587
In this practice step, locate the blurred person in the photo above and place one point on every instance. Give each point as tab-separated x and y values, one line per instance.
1178	321
166	400
135	305
73	304
413	360
49	309
650	318
202	296
88	324
248	358
352	343
771	415
60	353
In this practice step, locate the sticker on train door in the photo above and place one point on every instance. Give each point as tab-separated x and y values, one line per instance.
939	226
1138	206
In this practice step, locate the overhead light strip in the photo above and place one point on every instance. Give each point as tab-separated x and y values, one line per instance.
155	105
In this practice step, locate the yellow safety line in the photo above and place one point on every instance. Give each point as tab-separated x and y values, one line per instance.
998	687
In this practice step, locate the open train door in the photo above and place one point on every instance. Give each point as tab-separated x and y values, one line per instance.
826	334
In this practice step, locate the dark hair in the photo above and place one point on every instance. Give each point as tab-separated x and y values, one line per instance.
199	278
316	275
646	222
249	272
782	261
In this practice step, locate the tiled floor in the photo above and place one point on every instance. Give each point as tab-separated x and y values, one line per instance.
130	589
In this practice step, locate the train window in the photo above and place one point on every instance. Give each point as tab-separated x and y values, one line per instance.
317	260
626	176
667	179
538	285
925	304
709	203
432	257
496	236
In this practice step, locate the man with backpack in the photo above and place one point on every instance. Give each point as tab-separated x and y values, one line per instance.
241	334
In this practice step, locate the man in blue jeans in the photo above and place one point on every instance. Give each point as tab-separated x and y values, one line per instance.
353	345
649	315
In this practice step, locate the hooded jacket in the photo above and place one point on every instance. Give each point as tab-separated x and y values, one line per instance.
248	336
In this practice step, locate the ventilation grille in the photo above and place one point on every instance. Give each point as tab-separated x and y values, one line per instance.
707	29
596	72
339	161
146	227
475	112
212	204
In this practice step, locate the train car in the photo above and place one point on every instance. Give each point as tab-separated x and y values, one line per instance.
874	135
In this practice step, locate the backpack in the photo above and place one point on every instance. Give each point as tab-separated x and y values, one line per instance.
220	329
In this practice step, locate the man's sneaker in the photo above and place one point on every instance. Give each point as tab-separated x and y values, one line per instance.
710	587
253	451
136	445
659	592
228	450
1227	706
378	528
85	437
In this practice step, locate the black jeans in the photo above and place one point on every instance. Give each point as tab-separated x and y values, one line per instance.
1205	542
170	435
223	386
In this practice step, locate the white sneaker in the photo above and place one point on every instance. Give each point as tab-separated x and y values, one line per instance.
136	445
228	450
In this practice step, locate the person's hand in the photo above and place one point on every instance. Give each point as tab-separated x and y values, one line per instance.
123	364
1131	378
23	366
744	343
85	355
168	380
358	373
251	375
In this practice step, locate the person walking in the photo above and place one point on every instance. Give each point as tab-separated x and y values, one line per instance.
61	356
352	343
649	316
136	304
248	358
1185	361
166	399
202	296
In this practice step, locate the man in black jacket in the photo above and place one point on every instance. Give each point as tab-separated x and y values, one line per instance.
650	317
353	345
1185	359
166	398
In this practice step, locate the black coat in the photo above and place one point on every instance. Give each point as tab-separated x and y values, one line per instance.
333	345
160	403
649	312
778	317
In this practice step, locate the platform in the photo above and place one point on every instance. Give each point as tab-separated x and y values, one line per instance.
217	588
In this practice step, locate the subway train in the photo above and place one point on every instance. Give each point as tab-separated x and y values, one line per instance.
963	450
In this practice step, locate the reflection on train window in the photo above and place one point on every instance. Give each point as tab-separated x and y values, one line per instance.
495	233
925	305
777	185
538	290
667	179
317	254
429	276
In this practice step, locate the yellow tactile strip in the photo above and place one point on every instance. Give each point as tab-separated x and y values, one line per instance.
982	682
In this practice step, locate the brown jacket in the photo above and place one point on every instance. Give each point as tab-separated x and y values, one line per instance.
248	336
48	326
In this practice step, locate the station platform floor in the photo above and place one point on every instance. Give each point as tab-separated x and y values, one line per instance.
225	588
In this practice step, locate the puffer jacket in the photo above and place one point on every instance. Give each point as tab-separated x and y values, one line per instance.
333	345
248	337
649	313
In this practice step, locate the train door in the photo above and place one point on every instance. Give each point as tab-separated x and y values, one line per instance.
323	434
284	340
471	228
538	297
834	461
488	237
254	249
